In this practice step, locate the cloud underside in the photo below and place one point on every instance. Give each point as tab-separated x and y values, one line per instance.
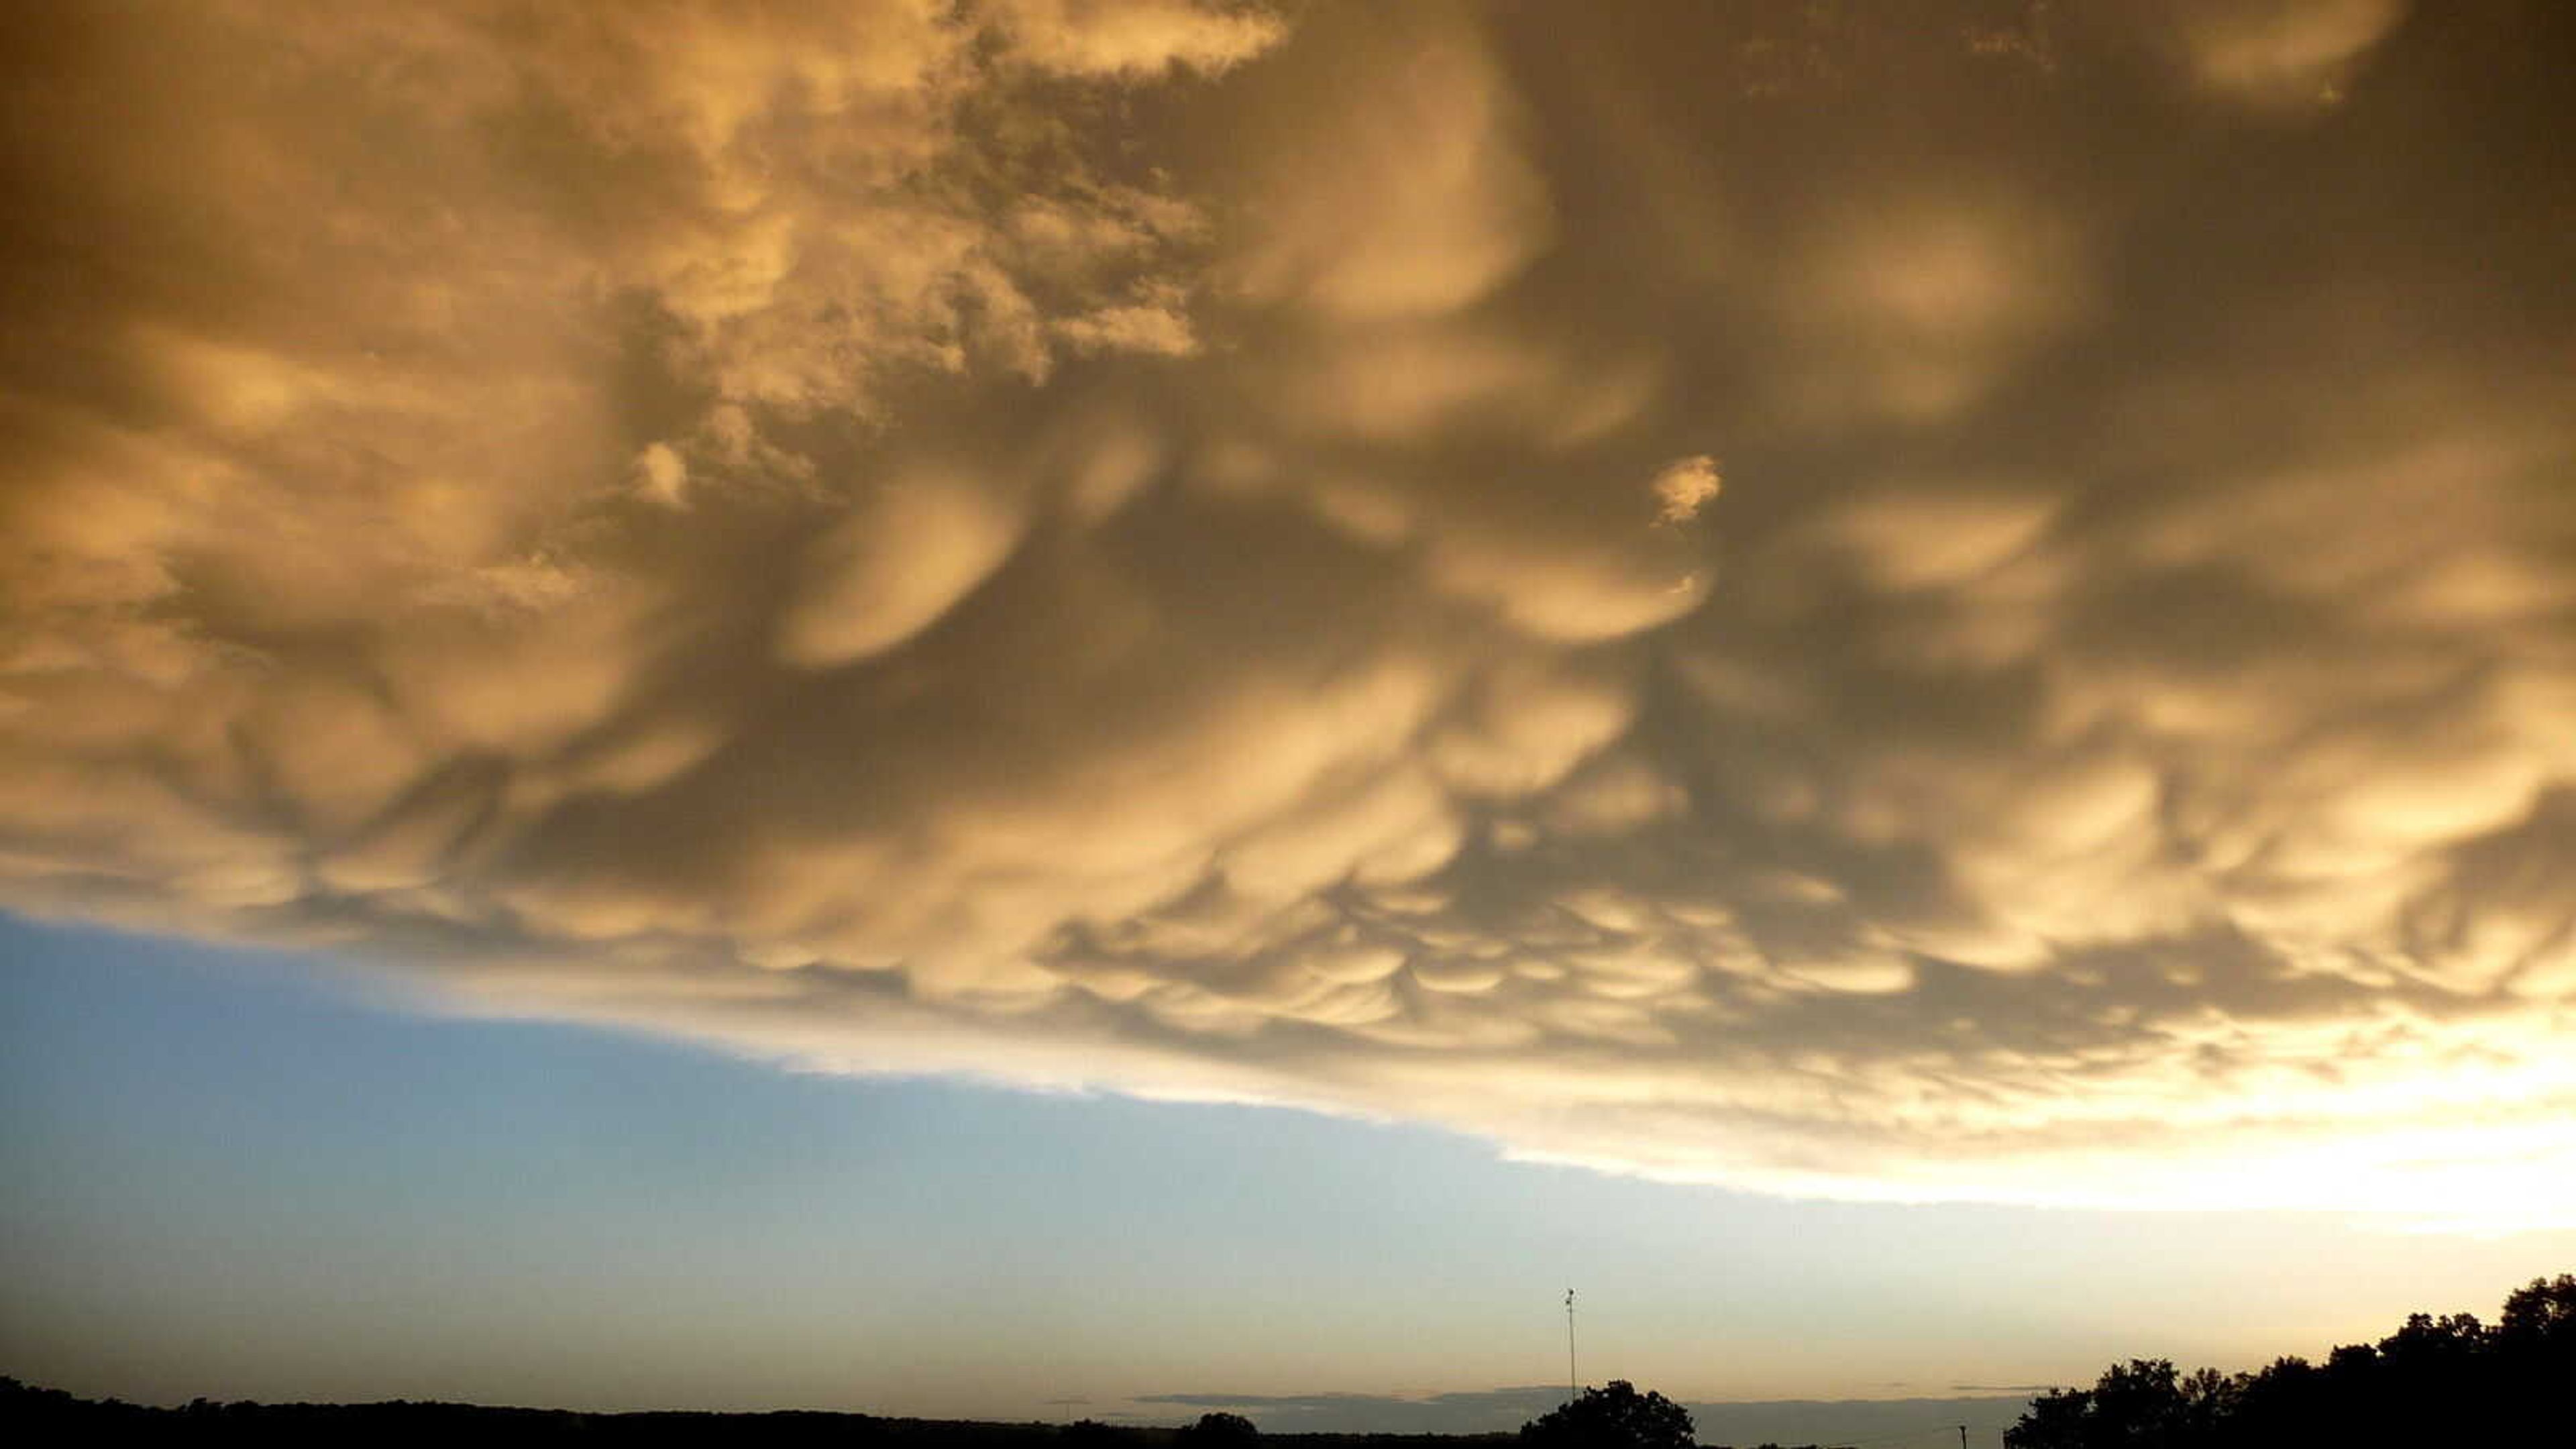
1146	546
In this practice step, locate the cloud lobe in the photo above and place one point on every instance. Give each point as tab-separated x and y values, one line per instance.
1148	545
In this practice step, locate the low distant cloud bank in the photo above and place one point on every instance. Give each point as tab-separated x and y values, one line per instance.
1782	1421
1983	609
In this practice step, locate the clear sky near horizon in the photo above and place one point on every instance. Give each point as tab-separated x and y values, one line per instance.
234	1175
954	705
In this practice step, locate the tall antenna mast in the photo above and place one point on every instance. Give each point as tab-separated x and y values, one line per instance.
1573	1384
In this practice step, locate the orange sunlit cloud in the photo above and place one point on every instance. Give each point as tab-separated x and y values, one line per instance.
1180	548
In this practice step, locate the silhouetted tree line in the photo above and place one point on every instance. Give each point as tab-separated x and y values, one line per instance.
2435	1382
30	1415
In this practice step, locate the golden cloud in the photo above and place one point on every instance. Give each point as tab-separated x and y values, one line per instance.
1143	545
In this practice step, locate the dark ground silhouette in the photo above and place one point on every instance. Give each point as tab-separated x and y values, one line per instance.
2436	1381
30	1415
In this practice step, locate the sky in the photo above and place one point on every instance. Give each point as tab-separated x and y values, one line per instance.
1303	665
245	1176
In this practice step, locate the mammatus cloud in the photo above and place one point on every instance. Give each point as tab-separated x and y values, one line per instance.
2297	54
1179	547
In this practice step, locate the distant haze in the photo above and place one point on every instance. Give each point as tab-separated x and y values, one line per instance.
1787	1421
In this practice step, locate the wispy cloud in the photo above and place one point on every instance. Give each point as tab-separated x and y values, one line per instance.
1138	545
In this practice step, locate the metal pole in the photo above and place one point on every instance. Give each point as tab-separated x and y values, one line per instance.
1573	1383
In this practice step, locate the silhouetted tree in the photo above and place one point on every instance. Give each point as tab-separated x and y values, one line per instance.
1215	1431
2445	1380
2276	1405
2055	1420
1614	1416
2139	1402
2540	1318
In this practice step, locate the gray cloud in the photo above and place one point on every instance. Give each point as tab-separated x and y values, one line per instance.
1153	547
1783	1421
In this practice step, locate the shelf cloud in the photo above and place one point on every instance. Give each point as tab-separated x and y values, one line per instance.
1981	607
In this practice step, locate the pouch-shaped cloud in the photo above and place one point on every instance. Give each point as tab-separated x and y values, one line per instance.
899	560
1153	546
2299	53
1419	201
